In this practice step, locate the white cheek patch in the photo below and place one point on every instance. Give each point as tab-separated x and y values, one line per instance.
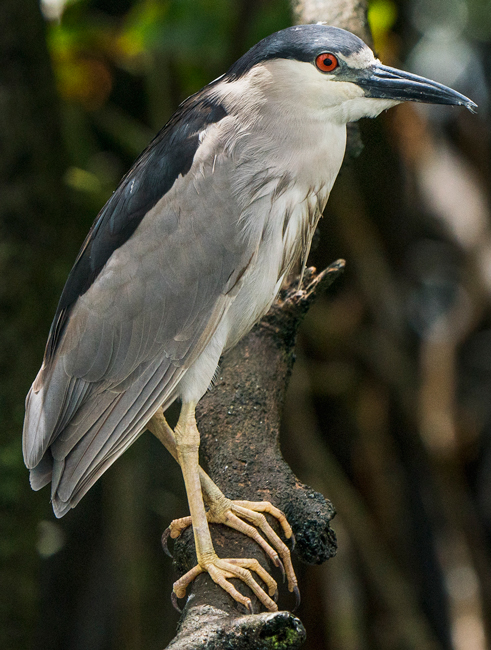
360	60
346	90
366	107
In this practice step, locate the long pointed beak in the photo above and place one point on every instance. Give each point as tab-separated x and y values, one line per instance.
383	82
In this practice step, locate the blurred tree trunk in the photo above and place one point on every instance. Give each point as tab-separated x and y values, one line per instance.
32	213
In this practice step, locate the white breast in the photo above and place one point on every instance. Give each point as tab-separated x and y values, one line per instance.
301	153
287	159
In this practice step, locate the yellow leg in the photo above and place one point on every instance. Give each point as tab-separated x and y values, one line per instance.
232	513
220	570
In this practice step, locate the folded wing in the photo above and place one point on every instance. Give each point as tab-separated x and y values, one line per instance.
153	280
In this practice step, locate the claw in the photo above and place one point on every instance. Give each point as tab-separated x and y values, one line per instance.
293	541
165	541
298	600
276	596
245	608
175	604
278	563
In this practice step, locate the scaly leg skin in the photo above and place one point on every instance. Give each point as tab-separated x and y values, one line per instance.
232	513
220	570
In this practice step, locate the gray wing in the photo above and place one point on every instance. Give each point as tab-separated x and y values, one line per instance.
132	334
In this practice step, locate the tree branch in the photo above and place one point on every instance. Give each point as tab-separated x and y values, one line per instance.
239	423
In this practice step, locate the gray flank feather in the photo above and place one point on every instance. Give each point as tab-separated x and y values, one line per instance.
130	337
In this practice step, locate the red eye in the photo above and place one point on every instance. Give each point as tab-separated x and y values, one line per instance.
326	62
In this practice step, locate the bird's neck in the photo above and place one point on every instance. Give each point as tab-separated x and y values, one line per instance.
291	134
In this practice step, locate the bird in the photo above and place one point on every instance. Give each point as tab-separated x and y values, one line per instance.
185	257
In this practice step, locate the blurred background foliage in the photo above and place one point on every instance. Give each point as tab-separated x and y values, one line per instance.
389	411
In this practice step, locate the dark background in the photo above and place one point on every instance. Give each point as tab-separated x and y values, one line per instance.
393	374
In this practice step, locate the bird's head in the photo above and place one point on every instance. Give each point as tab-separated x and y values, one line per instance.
327	68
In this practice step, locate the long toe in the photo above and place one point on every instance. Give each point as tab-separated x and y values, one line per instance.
221	571
174	529
271	543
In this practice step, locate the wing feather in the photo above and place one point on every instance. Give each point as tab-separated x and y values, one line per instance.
131	335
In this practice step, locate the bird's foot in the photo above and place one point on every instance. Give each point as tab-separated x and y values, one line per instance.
221	571
236	514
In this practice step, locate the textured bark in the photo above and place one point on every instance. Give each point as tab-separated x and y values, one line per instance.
239	422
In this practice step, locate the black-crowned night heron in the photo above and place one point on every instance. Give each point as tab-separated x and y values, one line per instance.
188	253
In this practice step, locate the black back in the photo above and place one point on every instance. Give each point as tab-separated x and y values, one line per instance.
169	154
